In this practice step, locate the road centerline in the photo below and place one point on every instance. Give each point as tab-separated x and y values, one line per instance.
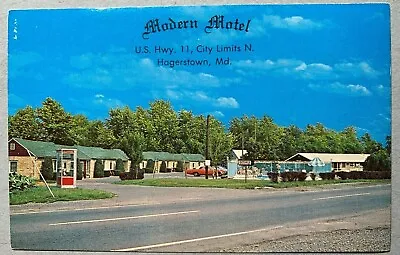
196	239
80	209
122	218
342	196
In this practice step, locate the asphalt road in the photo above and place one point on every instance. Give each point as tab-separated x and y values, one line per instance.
188	225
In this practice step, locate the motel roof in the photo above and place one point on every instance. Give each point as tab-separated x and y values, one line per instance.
156	155
42	149
239	153
329	157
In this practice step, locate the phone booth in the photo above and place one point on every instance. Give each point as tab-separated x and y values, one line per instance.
66	166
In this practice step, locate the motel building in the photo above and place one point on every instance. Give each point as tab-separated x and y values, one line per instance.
337	162
26	157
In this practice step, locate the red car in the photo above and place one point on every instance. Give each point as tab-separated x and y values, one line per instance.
202	171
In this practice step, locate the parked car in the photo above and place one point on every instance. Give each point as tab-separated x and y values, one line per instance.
202	171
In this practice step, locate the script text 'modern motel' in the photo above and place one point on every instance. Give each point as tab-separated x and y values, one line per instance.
215	22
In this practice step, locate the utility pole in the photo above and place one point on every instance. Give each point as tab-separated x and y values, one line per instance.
245	167
207	135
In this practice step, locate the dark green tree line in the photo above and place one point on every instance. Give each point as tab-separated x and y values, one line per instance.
161	128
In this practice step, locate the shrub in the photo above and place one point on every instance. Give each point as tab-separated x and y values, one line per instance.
19	182
47	168
293	176
79	173
140	174
343	175
301	176
179	166
120	165
355	175
149	166
313	175
98	169
118	172
163	167
107	173
133	175
273	176
327	176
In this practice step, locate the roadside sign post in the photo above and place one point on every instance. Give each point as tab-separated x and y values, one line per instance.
207	136
245	164
66	166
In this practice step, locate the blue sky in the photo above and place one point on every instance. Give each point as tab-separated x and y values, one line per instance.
311	63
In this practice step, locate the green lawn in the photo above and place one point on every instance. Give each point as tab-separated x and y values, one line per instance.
234	184
42	195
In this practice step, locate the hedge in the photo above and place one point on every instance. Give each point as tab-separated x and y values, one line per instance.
134	175
353	175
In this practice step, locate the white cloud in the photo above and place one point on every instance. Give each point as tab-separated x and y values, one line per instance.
308	71
339	88
100	99
217	114
292	23
200	97
173	94
358	89
121	71
227	102
294	67
356	69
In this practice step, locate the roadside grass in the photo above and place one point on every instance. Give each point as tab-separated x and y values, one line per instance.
41	194
236	184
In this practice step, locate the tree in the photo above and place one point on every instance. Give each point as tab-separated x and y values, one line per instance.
55	122
132	144
98	169
100	136
350	142
191	133
290	145
24	124
80	130
47	168
378	161
369	145
165	125
120	122
220	142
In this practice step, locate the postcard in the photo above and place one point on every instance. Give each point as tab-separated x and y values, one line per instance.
225	128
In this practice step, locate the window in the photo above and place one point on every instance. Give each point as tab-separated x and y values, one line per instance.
65	165
111	166
13	166
72	164
12	146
